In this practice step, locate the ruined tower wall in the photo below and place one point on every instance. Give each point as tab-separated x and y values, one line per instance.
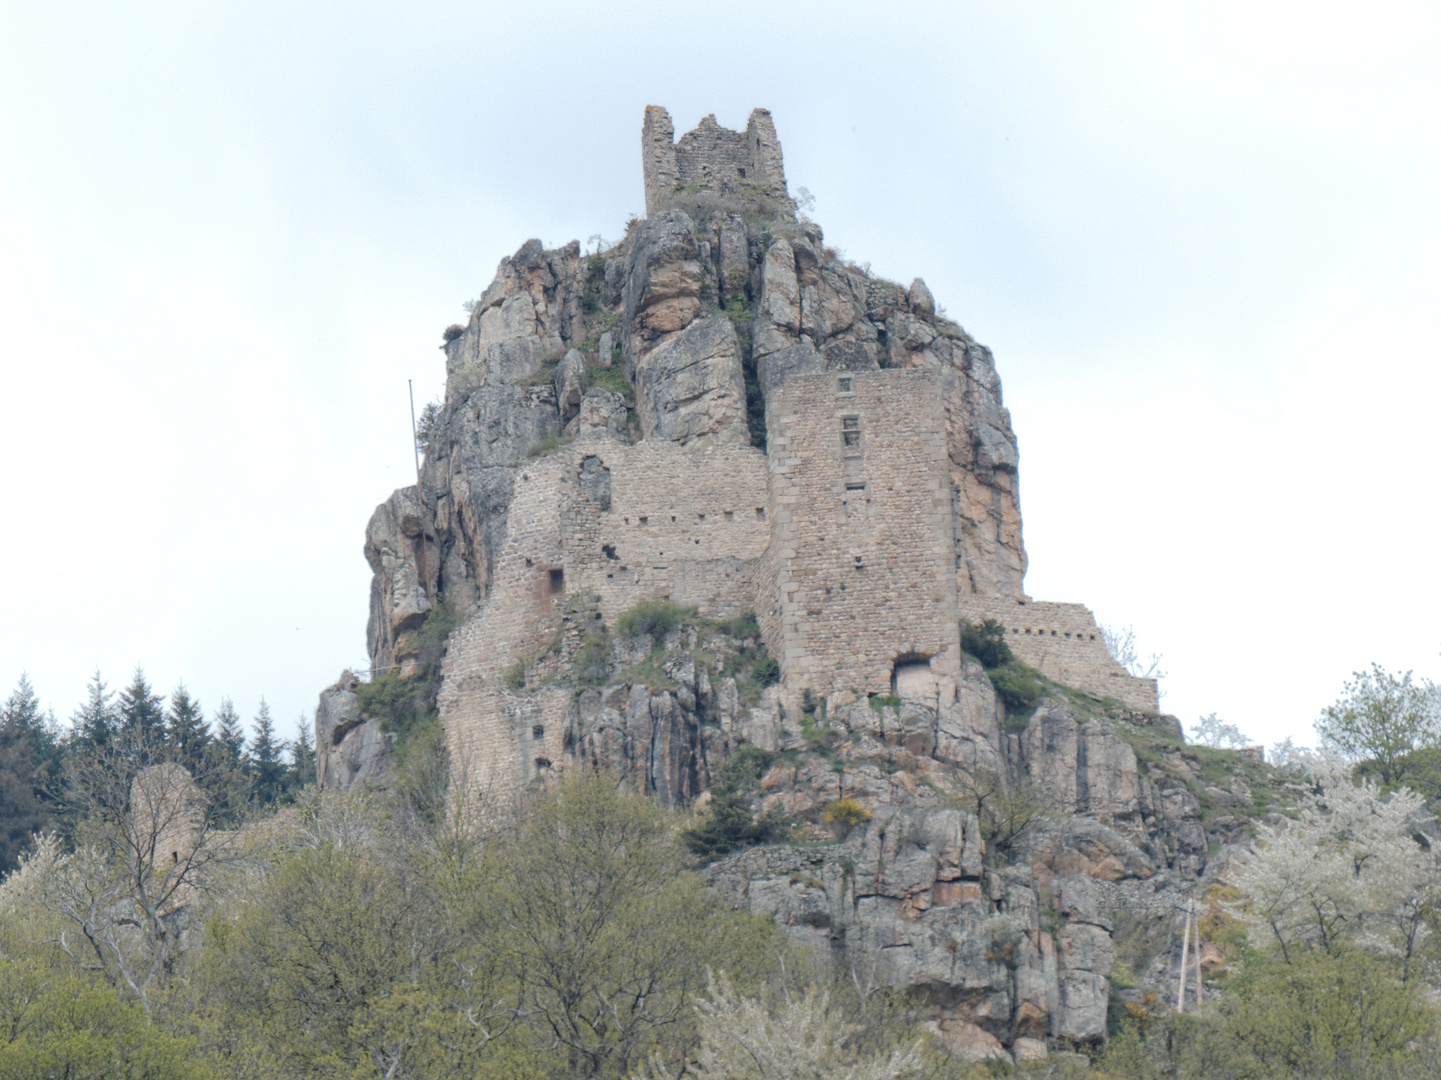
765	152
489	727
711	157
657	149
861	538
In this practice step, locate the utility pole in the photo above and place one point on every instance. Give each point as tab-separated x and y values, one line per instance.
419	495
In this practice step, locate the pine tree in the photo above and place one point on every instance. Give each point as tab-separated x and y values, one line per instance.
302	756
263	762
141	710
186	731
95	723
21	711
26	753
229	738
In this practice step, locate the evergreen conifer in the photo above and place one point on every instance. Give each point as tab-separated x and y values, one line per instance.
26	749
95	722
263	761
302	755
229	737
141	710
186	731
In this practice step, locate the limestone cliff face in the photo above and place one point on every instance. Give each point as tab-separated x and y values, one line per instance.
720	413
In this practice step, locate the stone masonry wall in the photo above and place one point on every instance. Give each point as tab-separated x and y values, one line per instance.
1063	642
862	540
617	522
657	520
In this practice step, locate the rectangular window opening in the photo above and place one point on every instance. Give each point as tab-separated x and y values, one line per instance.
557	581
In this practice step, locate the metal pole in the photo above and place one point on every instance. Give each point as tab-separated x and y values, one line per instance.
419	495
1181	982
1198	959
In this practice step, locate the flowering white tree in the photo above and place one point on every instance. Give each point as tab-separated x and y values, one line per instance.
1121	644
801	1039
1349	866
1213	731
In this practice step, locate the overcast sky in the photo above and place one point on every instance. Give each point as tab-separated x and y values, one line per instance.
1201	240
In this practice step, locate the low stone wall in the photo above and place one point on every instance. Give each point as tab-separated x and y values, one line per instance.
1063	642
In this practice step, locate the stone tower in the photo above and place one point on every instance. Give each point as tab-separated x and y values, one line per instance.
712	158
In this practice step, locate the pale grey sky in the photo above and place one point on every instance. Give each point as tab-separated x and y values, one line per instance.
1200	238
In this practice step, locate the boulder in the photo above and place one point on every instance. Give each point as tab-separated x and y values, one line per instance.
920	299
692	385
572	376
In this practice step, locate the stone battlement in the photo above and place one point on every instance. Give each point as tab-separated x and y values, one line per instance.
712	158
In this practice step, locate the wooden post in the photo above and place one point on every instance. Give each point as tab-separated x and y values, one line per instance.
1181	982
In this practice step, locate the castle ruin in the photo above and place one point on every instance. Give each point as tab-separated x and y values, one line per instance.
805	441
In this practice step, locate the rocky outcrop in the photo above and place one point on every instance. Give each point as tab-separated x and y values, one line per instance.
350	750
602	443
400	557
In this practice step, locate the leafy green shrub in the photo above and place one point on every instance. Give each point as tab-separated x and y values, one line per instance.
392	700
743	625
515	675
766	671
846	811
654	617
613	378
427	425
1019	687
406	704
590	297
880	701
548	446
986	641
592	662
